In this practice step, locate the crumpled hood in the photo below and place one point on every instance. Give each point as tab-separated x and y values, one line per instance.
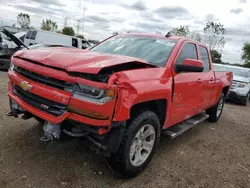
240	78
76	60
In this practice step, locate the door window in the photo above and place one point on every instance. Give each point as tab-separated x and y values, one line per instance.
33	35
205	58
28	35
74	42
188	51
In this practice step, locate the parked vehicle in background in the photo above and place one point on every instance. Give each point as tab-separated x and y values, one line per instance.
6	53
40	36
122	94
240	90
7	41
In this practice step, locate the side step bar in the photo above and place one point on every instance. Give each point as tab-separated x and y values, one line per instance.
182	127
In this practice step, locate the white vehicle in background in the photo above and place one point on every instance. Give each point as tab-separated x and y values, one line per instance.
7	41
40	36
240	90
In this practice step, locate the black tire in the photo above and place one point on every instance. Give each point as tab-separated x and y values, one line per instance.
212	112
120	162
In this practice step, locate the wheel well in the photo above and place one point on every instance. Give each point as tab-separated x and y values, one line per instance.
225	90
157	106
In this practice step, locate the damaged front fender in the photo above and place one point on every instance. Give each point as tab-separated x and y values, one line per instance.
138	86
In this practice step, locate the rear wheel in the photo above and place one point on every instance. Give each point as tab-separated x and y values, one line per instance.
138	145
216	111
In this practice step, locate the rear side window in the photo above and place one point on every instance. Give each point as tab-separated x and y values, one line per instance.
205	58
28	35
188	51
33	35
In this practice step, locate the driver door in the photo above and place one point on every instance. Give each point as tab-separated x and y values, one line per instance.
187	97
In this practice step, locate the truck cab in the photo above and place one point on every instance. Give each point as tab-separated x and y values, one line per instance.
122	94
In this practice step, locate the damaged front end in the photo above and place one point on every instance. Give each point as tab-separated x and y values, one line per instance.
84	109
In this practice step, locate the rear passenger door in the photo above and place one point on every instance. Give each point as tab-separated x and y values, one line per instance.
207	78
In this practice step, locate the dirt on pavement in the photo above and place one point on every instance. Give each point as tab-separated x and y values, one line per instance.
209	155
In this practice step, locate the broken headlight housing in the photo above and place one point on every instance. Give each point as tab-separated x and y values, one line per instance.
92	94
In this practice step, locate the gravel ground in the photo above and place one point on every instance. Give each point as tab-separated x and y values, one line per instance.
209	155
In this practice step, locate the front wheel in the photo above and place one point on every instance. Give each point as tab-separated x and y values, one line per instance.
138	145
216	111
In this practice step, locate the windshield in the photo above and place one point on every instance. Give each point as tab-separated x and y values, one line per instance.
155	51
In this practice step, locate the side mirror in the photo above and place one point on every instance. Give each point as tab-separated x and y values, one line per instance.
190	65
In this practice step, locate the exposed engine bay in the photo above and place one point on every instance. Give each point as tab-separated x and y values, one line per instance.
105	73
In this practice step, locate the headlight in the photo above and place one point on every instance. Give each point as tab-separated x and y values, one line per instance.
242	84
92	94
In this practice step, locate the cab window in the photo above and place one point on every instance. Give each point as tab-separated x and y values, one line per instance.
205	58
188	51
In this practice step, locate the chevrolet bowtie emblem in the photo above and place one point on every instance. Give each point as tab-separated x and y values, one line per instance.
25	86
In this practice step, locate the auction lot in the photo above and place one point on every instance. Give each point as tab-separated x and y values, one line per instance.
209	155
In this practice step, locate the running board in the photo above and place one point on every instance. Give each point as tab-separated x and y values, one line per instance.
182	127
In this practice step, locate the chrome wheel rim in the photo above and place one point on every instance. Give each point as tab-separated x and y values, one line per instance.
219	108
142	145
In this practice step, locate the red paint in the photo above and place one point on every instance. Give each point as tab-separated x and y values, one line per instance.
186	93
191	62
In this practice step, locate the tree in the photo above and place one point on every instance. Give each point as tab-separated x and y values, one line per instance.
246	54
216	56
23	20
68	31
115	33
181	31
214	35
184	31
195	35
49	25
158	32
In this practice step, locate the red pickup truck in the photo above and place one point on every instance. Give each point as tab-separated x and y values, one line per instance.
121	94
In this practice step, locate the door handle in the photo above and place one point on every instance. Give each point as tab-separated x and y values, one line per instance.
199	80
212	79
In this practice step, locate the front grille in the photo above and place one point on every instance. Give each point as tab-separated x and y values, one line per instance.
43	104
59	84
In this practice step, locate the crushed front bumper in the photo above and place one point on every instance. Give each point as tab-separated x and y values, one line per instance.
57	106
236	97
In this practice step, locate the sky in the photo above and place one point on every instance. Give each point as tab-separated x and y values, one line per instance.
103	17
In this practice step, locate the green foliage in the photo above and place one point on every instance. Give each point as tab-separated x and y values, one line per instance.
49	25
214	35
184	31
23	20
195	35
115	33
216	56
181	31
68	31
246	54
